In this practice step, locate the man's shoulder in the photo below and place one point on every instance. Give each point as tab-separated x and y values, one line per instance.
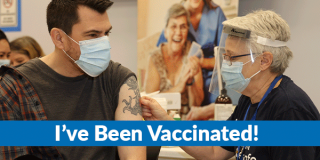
116	74
115	68
30	66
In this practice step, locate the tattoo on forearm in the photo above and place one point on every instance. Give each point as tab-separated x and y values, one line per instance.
136	109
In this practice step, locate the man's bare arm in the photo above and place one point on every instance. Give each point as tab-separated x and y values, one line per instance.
129	109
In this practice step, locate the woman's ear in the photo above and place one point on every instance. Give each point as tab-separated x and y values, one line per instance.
266	60
58	38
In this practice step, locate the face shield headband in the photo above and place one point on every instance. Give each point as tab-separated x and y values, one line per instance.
233	52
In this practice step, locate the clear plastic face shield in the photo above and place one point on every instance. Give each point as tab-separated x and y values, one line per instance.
236	63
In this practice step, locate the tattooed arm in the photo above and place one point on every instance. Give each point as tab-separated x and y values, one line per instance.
129	109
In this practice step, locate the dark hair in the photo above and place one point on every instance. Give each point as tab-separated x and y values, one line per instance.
63	14
3	36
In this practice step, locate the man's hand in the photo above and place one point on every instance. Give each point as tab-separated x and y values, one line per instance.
151	110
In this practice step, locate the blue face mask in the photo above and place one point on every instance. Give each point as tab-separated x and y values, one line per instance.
4	62
95	55
233	77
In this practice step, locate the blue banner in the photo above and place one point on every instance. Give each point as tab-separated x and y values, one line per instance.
160	133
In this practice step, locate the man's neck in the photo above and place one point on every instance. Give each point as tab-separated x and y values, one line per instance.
259	87
62	64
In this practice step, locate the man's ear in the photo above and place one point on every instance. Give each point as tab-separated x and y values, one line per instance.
58	39
266	60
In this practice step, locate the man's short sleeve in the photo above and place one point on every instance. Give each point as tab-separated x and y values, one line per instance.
115	76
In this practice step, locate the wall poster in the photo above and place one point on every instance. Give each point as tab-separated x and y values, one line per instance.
176	50
10	15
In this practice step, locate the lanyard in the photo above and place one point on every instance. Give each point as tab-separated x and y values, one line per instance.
274	82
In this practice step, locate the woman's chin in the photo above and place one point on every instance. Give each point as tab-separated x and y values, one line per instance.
177	50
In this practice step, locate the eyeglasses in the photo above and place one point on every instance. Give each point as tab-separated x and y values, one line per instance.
182	28
229	59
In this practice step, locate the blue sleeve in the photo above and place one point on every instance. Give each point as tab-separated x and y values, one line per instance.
161	39
221	19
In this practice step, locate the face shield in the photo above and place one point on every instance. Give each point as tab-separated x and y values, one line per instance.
235	60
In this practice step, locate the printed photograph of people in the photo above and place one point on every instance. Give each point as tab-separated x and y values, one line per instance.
176	40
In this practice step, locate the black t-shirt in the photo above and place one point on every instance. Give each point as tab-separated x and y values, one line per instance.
78	98
286	102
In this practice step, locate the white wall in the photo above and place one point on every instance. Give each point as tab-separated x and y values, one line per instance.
303	19
123	39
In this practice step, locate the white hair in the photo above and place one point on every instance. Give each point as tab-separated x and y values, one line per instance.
177	10
270	25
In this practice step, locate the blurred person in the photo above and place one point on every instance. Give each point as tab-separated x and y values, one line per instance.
205	28
254	62
4	49
23	49
170	69
77	81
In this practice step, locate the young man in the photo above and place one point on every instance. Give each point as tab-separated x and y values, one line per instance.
77	81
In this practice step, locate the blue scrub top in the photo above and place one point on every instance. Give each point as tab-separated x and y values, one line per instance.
208	36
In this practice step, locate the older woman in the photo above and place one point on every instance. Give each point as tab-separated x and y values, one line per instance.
205	28
23	49
254	62
169	69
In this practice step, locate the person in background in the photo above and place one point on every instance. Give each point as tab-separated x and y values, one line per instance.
254	62
170	69
77	81
23	49
205	28
4	49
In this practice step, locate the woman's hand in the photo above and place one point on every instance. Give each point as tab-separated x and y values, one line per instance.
181	85
151	110
201	113
194	66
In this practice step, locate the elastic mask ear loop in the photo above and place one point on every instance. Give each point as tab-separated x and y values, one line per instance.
250	60
70	37
255	74
68	56
253	61
65	51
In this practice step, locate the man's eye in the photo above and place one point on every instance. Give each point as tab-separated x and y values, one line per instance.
93	35
107	33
